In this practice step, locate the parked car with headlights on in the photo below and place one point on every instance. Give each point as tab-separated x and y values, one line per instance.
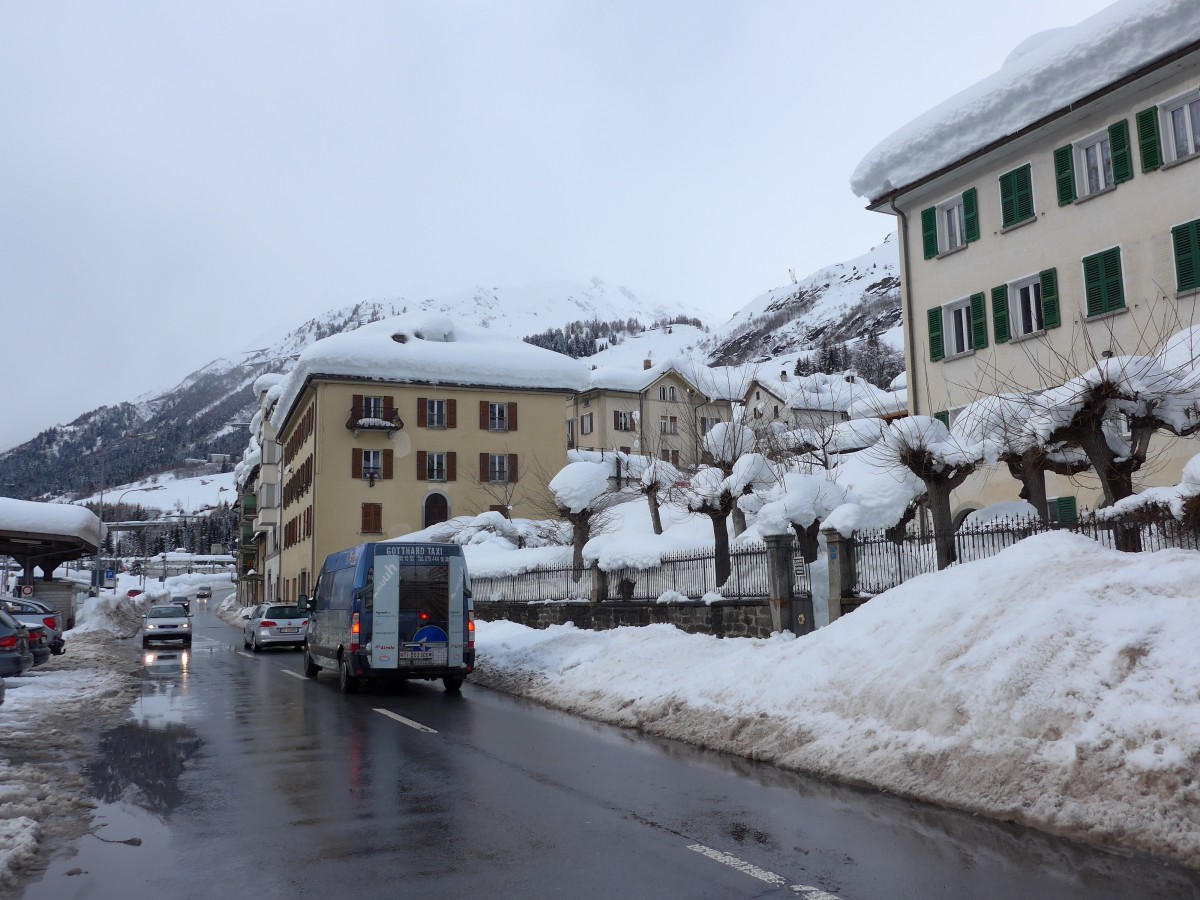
15	656
166	623
269	625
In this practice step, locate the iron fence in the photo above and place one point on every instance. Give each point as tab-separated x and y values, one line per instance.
883	562
691	574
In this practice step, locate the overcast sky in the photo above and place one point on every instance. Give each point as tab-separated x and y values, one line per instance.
181	179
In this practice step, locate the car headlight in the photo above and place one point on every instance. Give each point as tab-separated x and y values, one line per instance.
187	625
150	627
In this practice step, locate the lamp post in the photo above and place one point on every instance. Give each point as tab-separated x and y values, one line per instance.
96	577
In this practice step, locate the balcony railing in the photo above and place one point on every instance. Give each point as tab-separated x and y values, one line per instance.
372	418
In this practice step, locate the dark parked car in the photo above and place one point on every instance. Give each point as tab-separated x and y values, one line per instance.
15	655
183	600
32	613
39	644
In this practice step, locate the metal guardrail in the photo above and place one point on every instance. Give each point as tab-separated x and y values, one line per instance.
689	574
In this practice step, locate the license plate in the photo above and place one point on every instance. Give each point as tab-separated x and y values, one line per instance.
288	630
415	654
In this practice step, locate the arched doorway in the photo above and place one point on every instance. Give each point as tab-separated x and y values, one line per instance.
437	509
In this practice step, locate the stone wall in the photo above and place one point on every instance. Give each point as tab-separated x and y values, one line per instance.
744	618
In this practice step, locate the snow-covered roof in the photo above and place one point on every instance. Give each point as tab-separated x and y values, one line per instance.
426	348
1044	74
839	392
50	519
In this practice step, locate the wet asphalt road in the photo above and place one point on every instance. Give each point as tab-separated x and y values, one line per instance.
234	776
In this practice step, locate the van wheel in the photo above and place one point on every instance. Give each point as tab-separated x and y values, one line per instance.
310	668
347	682
452	683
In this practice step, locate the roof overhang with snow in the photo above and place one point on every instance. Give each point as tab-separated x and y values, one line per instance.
1056	75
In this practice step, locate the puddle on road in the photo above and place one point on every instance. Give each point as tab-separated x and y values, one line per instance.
134	774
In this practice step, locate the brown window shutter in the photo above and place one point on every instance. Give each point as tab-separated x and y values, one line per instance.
422	465
365	525
451	413
483	467
512	467
616	420
377	517
387	463
483	415
451	466
422	412
512	416
624	449
357	403
389	408
355	463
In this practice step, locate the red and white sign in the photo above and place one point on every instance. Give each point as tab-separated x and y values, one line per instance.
27	590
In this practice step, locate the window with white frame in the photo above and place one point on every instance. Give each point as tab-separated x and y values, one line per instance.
953	232
1181	118
706	423
959	338
668	425
497	467
372	408
435	466
585	423
435	413
622	420
497	417
372	463
1026	312
1093	157
666	392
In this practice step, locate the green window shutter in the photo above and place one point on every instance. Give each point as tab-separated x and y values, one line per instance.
1122	158
1008	201
929	232
1064	174
970	215
1093	284
1102	282
1114	293
937	349
1050	314
1024	185
1067	514
1000	313
1016	196
1186	239
979	338
943	417
1147	131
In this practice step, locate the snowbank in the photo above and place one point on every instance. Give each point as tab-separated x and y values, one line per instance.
1052	685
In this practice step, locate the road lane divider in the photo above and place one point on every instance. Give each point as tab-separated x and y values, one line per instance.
409	722
765	875
293	674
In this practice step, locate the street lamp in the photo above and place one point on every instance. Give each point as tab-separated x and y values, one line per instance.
96	578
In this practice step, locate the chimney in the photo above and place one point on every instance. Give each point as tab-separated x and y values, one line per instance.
646	363
783	375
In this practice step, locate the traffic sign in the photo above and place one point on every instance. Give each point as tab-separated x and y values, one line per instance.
27	590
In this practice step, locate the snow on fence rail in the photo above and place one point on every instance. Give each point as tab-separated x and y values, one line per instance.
690	574
882	563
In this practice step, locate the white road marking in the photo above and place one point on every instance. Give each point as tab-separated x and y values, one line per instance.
748	868
293	674
409	722
247	655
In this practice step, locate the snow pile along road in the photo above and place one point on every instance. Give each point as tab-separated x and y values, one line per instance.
1054	685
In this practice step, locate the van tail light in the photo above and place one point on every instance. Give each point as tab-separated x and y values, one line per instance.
8	643
51	623
266	623
355	632
471	630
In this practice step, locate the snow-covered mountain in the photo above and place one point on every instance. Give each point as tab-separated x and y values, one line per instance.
205	412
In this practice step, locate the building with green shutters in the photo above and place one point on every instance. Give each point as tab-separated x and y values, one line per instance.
1049	216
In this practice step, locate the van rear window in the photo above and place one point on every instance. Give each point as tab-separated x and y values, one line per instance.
427	588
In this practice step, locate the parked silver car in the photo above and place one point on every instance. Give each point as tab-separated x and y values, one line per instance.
269	625
166	623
